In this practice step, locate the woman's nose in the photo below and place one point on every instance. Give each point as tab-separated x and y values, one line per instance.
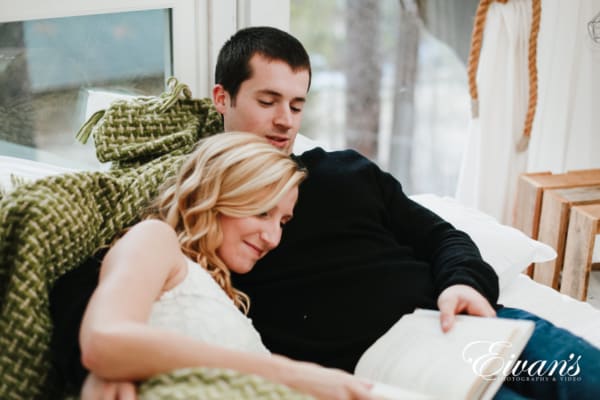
271	236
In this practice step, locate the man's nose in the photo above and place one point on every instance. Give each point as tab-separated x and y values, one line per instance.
283	117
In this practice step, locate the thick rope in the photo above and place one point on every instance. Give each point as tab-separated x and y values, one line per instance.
533	77
476	43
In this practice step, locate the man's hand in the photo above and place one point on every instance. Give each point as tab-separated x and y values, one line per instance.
95	388
456	299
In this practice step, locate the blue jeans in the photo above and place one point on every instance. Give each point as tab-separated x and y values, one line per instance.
549	343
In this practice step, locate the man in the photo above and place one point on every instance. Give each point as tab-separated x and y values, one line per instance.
358	253
268	101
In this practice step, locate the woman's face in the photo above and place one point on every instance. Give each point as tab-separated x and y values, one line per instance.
246	240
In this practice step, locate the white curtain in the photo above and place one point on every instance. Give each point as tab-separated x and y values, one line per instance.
563	135
566	128
491	163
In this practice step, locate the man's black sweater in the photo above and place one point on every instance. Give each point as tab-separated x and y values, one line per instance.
357	255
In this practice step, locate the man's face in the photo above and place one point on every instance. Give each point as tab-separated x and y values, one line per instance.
269	103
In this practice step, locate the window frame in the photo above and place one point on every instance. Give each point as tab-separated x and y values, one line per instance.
186	20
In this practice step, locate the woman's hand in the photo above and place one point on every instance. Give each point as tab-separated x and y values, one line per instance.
324	383
95	388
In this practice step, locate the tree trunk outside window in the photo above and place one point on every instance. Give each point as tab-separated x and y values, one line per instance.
363	76
403	118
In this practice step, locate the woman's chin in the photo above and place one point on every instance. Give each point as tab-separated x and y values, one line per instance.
242	269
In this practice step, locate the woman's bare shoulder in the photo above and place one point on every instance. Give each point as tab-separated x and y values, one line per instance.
151	232
149	242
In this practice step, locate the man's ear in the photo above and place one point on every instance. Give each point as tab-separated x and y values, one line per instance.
220	98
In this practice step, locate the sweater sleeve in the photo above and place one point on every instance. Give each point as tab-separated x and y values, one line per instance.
453	256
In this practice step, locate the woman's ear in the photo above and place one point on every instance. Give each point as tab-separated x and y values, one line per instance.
220	98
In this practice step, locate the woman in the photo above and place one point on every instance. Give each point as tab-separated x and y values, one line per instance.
165	300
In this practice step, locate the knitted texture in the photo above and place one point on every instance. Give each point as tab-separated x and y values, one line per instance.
214	384
132	131
50	226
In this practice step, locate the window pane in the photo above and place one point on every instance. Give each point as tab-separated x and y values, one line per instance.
48	68
389	80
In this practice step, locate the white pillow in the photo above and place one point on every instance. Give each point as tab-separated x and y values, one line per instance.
304	143
508	250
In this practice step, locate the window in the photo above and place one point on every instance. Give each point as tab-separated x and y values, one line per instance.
53	54
389	79
50	68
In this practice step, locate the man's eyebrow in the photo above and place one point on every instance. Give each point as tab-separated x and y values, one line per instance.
270	92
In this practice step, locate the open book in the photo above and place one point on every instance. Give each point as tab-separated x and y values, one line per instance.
418	359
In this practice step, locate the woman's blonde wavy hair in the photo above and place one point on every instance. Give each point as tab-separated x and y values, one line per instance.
235	174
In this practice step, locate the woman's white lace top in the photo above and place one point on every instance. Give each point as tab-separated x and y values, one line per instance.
198	307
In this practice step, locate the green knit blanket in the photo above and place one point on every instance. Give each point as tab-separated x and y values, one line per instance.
214	384
51	226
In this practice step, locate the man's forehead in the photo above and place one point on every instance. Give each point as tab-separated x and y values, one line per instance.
276	76
261	65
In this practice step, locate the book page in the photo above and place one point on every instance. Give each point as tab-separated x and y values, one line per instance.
464	363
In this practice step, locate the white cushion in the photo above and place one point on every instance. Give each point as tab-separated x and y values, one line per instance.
508	250
25	170
304	143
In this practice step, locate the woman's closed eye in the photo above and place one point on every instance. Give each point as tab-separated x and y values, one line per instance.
284	221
